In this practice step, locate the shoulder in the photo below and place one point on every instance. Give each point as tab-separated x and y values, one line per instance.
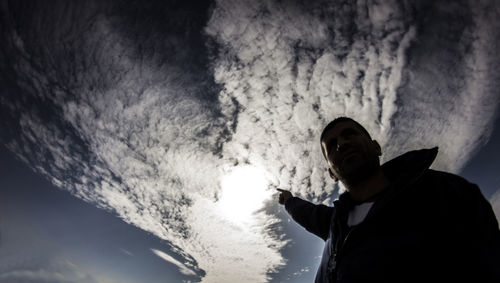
448	185
460	203
446	180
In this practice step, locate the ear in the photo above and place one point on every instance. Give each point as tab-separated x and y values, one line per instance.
332	175
377	147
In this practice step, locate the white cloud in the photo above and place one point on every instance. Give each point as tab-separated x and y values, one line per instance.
301	271
242	252
495	204
144	146
127	252
182	268
292	70
450	95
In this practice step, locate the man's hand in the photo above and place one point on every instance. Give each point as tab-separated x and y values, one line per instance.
284	196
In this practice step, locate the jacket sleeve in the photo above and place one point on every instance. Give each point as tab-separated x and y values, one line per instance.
476	226
486	234
315	218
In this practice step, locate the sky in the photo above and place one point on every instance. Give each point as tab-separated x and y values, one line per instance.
143	142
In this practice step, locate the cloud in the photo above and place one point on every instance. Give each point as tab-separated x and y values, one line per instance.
145	118
495	204
182	268
449	95
132	130
127	252
301	271
293	68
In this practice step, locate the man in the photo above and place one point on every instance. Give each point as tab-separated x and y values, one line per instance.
399	222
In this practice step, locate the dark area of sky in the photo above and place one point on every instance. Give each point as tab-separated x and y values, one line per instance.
483	168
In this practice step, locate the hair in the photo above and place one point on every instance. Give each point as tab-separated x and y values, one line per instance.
335	122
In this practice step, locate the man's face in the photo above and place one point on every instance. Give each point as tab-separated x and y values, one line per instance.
351	154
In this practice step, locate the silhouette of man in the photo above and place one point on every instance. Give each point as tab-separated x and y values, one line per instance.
399	222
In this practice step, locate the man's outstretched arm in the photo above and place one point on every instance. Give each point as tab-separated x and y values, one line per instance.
315	218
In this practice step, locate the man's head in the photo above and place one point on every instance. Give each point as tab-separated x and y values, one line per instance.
351	153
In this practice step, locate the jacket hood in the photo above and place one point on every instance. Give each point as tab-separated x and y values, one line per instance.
409	165
400	171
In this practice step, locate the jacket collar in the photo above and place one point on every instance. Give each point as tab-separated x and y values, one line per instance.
410	165
401	172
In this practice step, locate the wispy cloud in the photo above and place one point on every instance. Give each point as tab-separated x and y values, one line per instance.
182	268
449	96
127	252
301	271
125	113
495	203
62	271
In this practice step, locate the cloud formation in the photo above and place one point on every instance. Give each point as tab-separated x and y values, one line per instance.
146	118
124	125
495	204
182	268
293	68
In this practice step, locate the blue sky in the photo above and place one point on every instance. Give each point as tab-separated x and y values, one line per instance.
43	224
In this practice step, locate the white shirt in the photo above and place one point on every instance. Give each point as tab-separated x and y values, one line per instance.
358	213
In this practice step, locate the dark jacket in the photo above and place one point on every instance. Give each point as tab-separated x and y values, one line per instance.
427	226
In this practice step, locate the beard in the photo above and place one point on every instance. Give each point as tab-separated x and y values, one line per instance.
355	169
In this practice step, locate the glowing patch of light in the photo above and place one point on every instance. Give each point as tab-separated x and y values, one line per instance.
244	191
